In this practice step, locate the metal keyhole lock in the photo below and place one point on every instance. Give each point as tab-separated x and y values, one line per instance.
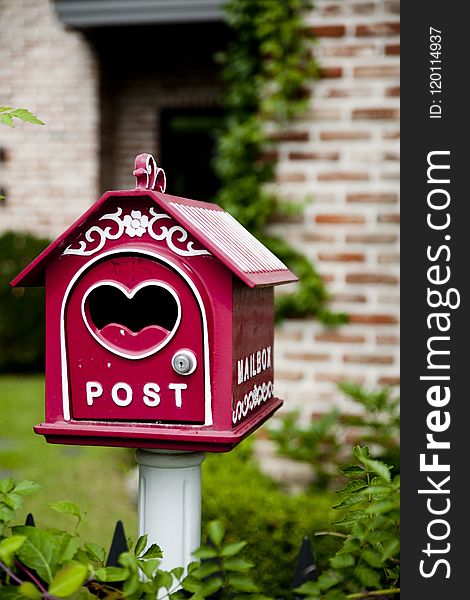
184	362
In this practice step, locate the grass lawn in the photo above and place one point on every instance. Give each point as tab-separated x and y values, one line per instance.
93	477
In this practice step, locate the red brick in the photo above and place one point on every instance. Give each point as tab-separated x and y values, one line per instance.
392	50
385	198
363	8
339	219
388	258
330	72
349	50
375	113
313	155
372	238
393	91
389	380
287	218
340	338
391	156
343	176
390	218
338	377
316	237
329	136
372	319
289	375
375	71
369	278
349	298
308	356
290	136
285	334
333	9
291	177
388	340
329	31
391	135
371	359
393	6
378	29
342	257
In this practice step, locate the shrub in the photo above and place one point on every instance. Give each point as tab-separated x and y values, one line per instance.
22	323
252	507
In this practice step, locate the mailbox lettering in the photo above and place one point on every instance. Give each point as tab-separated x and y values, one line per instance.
122	393
252	365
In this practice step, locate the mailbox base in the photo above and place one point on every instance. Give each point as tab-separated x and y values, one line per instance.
152	436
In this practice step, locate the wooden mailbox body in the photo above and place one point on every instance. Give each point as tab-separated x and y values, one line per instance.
141	277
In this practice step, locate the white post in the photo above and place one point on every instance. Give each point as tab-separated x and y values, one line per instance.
170	503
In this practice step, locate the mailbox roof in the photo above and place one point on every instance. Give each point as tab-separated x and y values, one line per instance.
212	226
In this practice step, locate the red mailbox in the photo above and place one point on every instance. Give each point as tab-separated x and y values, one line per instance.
159	323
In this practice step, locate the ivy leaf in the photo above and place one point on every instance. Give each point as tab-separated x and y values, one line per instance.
5	108
390	549
67	507
27	487
205	552
328	580
232	549
178	572
6	119
9	546
39	551
342	560
372	557
29	590
109	574
25	115
216	532
7	485
378	467
149	566
211	586
95	552
141	543
191	584
206	569
237	564
131	586
154	551
68	580
241	583
367	576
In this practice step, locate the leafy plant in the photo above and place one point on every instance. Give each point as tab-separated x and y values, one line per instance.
266	68
52	563
367	564
22	320
8	114
327	440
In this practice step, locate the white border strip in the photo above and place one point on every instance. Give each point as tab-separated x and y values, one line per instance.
65	385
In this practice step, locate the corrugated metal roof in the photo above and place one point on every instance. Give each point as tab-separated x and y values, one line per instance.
232	239
100	13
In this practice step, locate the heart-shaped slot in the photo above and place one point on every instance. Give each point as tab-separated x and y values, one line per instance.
132	323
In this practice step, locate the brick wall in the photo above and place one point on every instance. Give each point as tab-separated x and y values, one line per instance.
343	157
49	174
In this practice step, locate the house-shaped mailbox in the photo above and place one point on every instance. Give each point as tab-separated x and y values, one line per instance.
159	323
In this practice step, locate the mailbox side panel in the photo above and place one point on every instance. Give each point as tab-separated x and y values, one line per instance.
253	343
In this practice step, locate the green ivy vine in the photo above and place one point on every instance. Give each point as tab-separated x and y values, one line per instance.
266	68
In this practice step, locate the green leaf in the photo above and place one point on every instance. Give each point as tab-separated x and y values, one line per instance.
149	566
205	552
67	507
390	549
7	485
141	543
109	574
178	572
40	551
309	588
352	470
216	532
68	547
191	584
27	487
164	579
205	569
378	467
131	586
29	590
153	551
211	586
95	552
367	576
241	583
342	560
6	119
68	580
232	549
26	115
5	108
9	546
372	557
237	564
328	580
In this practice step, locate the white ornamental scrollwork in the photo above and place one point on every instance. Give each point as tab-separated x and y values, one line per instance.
259	393
133	225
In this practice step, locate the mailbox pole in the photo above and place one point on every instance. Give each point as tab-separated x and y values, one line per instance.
170	503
